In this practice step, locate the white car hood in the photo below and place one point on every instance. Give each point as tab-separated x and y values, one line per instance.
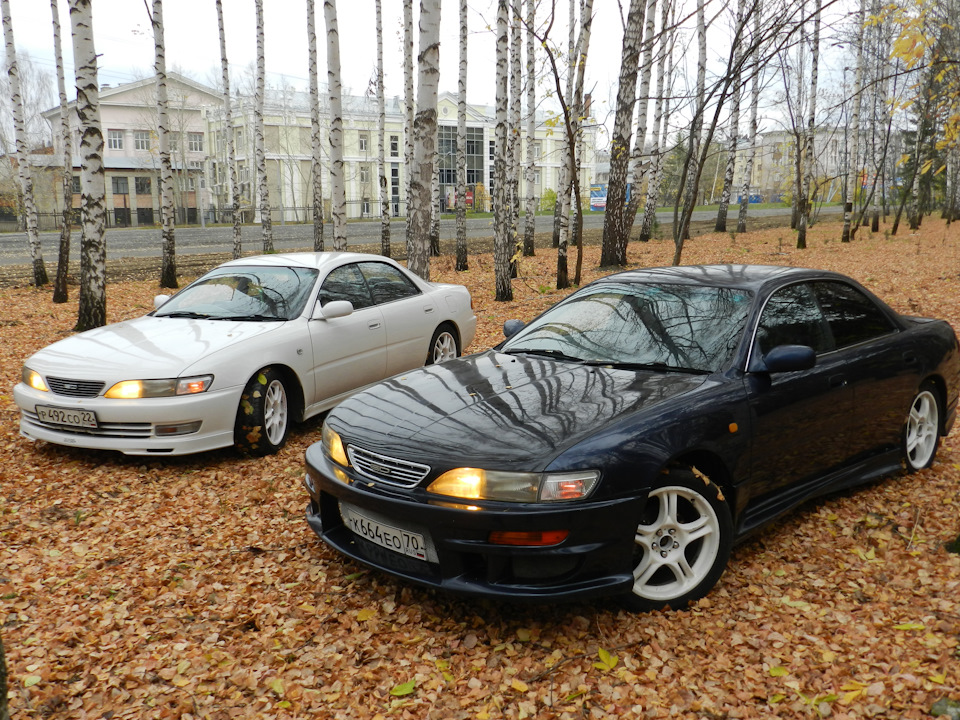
144	348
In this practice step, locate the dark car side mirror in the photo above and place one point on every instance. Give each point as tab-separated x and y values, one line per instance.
789	358
512	327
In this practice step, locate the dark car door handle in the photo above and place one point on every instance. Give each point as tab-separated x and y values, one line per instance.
909	358
838	381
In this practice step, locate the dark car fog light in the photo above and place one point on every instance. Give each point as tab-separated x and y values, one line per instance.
178	429
529	538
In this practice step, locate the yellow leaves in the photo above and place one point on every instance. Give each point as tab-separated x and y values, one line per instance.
909	626
31	680
519	685
778	671
404	689
938	679
607	661
276	685
366	614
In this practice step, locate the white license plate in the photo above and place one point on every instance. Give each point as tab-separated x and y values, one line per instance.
392	538
66	416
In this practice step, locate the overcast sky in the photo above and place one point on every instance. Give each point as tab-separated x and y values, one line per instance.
124	41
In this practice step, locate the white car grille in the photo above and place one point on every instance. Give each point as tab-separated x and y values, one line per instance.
74	388
385	469
117	430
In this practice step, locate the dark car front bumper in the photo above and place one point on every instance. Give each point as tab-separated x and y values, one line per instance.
593	561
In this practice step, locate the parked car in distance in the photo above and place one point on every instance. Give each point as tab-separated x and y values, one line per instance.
238	355
622	441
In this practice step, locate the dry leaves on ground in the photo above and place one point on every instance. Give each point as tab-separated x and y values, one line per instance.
192	588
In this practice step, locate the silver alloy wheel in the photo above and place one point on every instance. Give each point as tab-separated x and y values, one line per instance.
275	412
444	347
922	430
679	548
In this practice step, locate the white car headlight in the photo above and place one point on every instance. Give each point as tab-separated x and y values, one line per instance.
33	379
478	484
133	389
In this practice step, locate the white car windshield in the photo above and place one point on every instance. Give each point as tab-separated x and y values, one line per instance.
244	293
670	327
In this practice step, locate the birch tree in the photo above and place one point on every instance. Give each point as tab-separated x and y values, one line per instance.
338	189
424	138
92	310
60	294
381	129
530	224
316	169
4	705
805	200
613	250
734	129
853	168
501	221
752	136
266	223
408	110
22	151
513	134
231	170
461	263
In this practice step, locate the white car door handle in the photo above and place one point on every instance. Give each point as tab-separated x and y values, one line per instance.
428	309
373	325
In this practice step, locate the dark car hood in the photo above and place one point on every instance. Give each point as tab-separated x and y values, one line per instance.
500	410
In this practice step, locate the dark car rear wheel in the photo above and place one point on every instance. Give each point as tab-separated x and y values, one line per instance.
682	542
263	418
443	345
921	431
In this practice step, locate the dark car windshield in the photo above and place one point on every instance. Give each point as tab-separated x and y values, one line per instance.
681	327
244	293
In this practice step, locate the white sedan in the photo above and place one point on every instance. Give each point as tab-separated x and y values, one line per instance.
237	355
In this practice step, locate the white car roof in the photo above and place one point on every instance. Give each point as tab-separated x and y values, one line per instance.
317	260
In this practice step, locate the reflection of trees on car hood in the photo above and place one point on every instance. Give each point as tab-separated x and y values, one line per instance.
520	408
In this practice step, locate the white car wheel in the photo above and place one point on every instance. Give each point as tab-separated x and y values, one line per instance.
443	346
263	418
921	432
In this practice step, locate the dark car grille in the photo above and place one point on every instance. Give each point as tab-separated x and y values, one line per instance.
74	388
388	470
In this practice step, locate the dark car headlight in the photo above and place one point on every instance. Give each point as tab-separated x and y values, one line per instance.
134	389
333	446
479	484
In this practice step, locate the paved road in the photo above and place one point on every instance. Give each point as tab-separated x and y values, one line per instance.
136	242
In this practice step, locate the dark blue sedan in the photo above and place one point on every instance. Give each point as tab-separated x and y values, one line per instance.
620	443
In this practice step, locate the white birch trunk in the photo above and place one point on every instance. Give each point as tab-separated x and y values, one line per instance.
435	205
266	222
424	139
231	173
168	266
734	131
338	190
381	129
613	250
92	310
578	115
640	168
566	179
60	294
513	149
661	110
23	152
806	199
530	224
408	111
852	181
501	222
462	263
316	146
754	107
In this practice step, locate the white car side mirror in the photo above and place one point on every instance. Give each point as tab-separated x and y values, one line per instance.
333	309
159	300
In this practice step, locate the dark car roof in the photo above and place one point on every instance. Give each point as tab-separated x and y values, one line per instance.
748	277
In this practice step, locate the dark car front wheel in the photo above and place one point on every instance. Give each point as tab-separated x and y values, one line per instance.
682	542
263	418
921	431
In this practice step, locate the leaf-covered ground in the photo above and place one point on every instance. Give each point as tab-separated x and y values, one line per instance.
192	588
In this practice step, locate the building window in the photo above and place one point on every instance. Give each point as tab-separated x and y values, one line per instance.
365	206
76	184
536	150
141	140
536	177
115	139
142	185
195	142
239	138
364	173
394	145
492	152
120	186
364	142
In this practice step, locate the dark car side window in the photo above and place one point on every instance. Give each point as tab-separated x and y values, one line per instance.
792	317
387	283
346	283
853	317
